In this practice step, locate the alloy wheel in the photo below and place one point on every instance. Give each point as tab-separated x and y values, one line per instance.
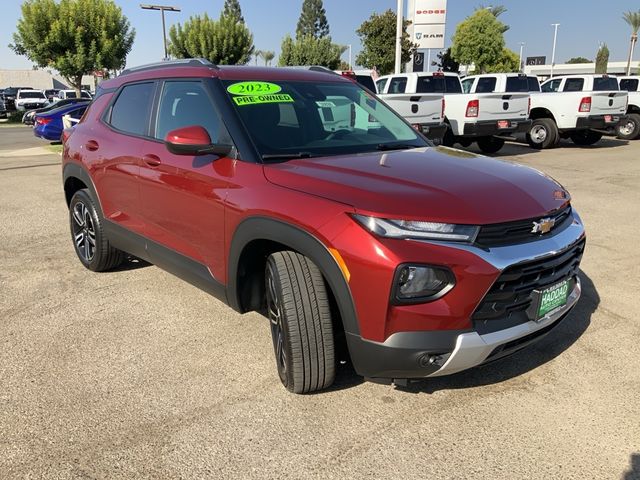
84	232
274	312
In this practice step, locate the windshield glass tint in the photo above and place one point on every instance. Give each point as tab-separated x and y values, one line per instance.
517	84
332	118
603	84
31	95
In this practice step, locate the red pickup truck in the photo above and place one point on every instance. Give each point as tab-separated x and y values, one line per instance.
423	261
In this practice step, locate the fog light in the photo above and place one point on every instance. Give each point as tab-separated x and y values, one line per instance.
421	283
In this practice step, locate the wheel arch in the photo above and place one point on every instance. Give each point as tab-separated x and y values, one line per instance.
255	239
633	109
76	178
541	112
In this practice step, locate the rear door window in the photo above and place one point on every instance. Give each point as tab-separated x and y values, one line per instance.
573	85
398	85
629	84
486	85
130	112
603	84
551	85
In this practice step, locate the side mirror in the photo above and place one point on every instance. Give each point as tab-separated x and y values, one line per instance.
193	140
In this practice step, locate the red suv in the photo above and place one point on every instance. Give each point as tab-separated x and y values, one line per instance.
300	195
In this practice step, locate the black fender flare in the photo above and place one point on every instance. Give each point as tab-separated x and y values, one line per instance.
264	228
72	170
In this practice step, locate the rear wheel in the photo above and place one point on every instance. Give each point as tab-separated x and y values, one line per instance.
490	144
448	139
585	137
542	134
89	239
630	129
301	327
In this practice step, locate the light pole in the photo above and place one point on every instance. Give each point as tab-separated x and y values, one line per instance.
399	25
162	8
553	52
521	49
350	66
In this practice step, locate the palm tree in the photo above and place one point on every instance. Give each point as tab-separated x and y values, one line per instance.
267	56
496	11
633	19
257	54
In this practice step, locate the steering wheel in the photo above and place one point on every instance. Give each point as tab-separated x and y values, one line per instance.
338	134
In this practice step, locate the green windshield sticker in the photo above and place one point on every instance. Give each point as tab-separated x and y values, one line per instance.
255	99
253	88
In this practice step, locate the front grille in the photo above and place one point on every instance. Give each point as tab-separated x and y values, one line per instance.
506	303
510	233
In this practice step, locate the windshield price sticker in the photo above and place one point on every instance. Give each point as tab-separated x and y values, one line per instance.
256	99
253	88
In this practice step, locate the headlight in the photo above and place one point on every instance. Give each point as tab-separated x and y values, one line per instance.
418	230
420	283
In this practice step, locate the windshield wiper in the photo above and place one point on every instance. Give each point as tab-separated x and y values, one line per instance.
394	146
287	156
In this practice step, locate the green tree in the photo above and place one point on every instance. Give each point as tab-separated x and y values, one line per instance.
232	8
479	41
268	56
446	63
313	20
225	41
633	20
76	37
575	60
378	37
602	59
309	50
509	61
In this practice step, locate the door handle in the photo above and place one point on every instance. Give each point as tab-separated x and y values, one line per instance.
92	145
151	160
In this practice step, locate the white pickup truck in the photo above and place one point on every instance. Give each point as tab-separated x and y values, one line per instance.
486	118
424	109
580	107
630	130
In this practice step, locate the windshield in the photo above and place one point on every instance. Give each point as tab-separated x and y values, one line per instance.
31	94
287	118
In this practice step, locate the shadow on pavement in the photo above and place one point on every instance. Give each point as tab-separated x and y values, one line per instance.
525	360
634	473
606	142
130	263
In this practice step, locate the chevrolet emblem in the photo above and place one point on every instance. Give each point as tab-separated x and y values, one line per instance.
544	225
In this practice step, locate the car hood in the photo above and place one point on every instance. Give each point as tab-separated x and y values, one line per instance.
438	184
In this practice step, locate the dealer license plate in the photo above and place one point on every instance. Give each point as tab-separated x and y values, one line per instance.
608	118
552	298
504	123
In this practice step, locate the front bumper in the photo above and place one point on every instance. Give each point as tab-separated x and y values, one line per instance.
421	354
600	122
491	128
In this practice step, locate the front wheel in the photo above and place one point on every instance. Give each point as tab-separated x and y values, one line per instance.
630	129
301	327
585	138
490	144
89	239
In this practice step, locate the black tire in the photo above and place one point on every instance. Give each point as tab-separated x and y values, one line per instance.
490	144
87	233
630	129
301	326
543	133
585	138
448	139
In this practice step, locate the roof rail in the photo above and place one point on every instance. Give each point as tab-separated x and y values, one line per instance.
183	62
312	68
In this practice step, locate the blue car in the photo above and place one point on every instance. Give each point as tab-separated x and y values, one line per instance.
48	125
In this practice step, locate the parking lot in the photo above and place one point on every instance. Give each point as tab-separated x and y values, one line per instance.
134	373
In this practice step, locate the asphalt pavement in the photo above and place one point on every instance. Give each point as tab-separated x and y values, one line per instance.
136	374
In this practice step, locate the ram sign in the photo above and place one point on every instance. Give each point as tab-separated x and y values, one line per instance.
429	36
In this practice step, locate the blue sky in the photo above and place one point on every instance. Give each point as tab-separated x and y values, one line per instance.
584	24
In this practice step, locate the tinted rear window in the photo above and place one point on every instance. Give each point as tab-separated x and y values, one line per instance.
573	85
629	84
452	85
486	85
366	81
601	84
517	84
130	112
430	85
533	84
